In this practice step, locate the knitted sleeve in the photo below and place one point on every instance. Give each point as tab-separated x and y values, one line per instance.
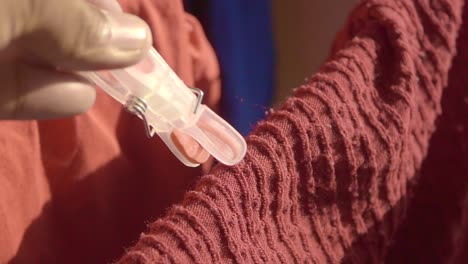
326	172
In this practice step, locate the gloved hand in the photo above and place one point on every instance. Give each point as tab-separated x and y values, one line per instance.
41	41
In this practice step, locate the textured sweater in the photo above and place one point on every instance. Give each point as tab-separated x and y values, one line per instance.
365	163
332	175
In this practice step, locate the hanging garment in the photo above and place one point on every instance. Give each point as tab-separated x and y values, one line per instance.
364	163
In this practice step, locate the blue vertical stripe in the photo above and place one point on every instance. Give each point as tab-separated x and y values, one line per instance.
241	34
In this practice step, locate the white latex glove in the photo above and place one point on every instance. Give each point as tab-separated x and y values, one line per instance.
37	37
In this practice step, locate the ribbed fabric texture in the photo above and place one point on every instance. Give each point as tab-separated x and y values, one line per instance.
329	176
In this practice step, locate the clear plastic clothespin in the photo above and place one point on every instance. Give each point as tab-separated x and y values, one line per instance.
152	91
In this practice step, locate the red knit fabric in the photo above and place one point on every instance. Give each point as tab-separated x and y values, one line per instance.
365	163
338	173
